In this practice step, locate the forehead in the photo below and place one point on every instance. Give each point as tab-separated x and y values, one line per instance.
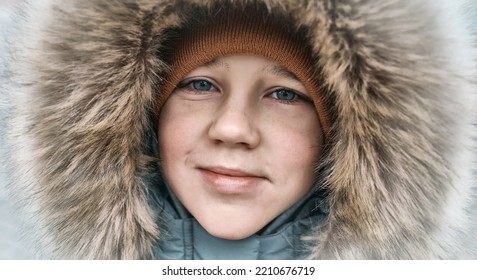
270	67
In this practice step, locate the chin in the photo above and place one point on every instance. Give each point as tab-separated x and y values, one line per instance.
230	232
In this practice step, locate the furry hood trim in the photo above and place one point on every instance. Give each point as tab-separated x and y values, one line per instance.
83	77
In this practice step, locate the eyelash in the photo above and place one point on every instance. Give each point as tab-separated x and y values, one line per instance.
189	86
296	98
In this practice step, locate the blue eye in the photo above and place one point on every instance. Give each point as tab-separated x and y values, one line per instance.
285	95
201	85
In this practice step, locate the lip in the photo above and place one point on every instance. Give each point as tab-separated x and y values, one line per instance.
228	181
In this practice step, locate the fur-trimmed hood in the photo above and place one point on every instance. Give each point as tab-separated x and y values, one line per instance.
81	82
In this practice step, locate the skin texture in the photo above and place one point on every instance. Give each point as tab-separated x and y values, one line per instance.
236	149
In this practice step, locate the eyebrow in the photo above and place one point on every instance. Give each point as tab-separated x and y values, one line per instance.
217	63
276	70
279	71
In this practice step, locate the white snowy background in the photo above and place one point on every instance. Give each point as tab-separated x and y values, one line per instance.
11	247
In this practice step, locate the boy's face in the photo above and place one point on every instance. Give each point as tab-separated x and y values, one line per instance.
238	141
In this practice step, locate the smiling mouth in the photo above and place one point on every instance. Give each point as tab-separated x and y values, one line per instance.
231	181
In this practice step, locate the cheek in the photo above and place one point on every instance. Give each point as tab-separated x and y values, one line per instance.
176	130
295	149
181	121
172	136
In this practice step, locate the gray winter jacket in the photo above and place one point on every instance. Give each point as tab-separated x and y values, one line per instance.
81	77
184	238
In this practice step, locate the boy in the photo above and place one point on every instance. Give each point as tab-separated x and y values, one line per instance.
133	130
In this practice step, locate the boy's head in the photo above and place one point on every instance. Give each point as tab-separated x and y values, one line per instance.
241	123
249	31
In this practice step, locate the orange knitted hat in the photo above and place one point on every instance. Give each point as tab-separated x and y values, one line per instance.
229	33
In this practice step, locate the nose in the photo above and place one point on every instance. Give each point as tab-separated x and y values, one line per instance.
234	126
